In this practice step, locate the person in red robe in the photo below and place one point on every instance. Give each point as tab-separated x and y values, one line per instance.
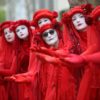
93	88
8	61
89	86
75	38
23	43
53	78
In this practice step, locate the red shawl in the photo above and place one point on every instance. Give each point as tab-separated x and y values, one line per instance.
23	47
91	78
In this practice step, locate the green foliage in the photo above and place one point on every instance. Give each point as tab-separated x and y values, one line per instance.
2	15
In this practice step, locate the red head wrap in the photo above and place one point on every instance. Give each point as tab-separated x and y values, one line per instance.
44	13
96	13
23	22
70	34
56	26
6	24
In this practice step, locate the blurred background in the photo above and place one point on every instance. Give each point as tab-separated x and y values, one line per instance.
24	9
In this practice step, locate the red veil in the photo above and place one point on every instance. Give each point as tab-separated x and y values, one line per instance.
8	60
8	49
23	52
44	13
75	41
52	78
23	46
91	77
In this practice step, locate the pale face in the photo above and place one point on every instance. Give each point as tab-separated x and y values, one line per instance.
22	32
79	22
9	35
50	37
43	21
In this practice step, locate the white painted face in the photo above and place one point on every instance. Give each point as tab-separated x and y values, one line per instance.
22	32
43	21
79	22
50	37
9	35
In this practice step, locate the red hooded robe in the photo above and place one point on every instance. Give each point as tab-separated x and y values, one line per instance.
8	62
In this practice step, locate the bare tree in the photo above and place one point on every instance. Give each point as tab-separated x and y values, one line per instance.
97	2
78	2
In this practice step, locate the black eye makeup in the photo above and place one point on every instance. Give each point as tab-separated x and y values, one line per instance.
81	16
17	30
45	34
5	33
39	22
45	20
73	19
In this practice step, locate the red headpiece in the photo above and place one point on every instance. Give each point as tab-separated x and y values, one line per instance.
22	22
4	25
8	49
70	34
68	15
84	9
87	8
55	26
44	13
27	24
95	13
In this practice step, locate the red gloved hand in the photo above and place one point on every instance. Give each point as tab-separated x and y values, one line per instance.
25	77
35	49
52	52
47	58
73	59
9	78
20	78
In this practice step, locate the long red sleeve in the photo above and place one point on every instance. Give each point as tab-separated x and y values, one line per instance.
12	69
95	57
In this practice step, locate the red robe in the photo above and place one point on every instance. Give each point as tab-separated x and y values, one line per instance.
8	66
77	43
90	81
23	62
23	47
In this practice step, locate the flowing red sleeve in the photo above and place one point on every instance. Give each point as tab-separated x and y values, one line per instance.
93	41
95	57
12	69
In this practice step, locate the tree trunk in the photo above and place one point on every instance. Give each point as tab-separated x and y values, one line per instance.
78	2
